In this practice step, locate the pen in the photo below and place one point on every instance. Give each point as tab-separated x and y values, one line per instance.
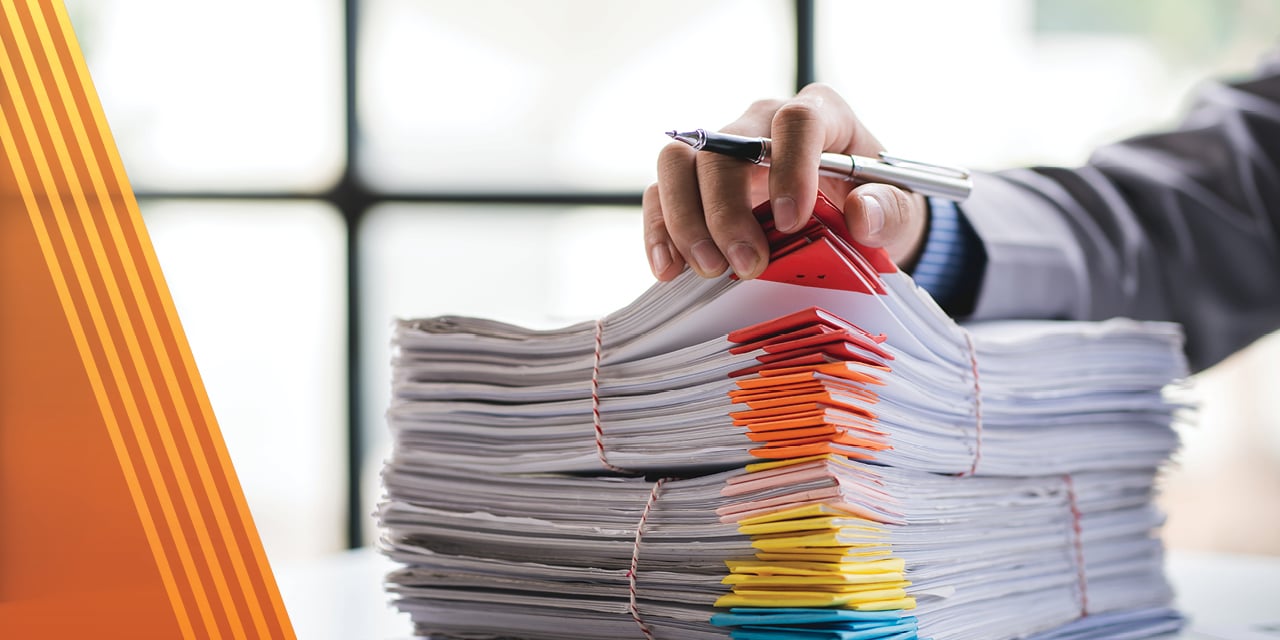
920	177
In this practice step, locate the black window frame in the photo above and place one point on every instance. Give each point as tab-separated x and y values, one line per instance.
353	199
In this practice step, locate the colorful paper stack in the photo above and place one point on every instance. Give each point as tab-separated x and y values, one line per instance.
775	459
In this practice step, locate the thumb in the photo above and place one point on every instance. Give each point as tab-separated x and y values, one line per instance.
880	215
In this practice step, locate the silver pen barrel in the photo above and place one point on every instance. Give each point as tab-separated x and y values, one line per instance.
925	181
918	177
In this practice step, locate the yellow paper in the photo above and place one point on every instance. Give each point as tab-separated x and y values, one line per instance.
823	539
887	605
894	565
837	583
833	555
774	464
805	511
840	524
867	601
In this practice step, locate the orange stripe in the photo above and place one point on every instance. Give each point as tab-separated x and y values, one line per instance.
67	47
16	162
90	298
246	531
191	502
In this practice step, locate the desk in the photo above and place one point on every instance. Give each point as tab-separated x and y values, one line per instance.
1228	597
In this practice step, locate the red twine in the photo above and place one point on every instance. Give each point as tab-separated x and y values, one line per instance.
1077	541
977	405
635	559
595	401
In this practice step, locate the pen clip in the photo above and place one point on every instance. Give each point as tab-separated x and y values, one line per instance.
936	169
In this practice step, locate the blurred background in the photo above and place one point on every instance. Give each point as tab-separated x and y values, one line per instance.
312	169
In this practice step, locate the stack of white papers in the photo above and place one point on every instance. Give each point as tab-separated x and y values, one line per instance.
711	404
976	557
818	453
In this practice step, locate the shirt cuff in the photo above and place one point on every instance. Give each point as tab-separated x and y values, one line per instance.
952	261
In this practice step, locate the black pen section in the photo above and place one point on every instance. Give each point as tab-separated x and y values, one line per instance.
741	147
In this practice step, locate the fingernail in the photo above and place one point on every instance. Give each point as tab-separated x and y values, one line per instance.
785	216
744	259
659	258
875	215
708	257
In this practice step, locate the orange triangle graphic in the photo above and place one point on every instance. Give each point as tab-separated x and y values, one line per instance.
120	512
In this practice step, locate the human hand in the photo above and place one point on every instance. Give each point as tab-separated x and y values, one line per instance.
699	211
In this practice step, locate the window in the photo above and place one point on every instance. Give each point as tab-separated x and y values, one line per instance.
312	169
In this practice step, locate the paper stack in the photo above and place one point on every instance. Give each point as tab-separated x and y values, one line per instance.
818	453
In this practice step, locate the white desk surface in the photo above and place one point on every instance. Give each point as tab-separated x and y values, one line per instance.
1227	597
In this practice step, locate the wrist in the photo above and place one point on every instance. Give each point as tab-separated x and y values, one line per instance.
951	260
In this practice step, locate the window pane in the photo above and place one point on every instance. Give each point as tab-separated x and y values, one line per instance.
487	95
235	94
260	289
996	83
540	266
1025	82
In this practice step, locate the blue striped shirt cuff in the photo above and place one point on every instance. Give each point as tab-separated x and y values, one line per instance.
952	258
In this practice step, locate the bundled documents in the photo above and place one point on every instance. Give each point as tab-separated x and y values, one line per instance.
818	453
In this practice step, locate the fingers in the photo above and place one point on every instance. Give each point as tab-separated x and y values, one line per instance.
799	135
680	202
699	212
726	204
704	203
665	261
879	215
816	120
726	189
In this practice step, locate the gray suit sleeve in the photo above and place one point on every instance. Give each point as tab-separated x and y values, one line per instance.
1182	226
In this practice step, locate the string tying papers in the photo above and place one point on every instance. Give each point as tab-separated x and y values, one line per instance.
977	404
849	432
632	606
1077	541
595	401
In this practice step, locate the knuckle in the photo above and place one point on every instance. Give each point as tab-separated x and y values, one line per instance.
722	217
715	169
674	156
755	120
816	88
681	223
767	105
655	229
728	223
820	93
795	113
654	224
